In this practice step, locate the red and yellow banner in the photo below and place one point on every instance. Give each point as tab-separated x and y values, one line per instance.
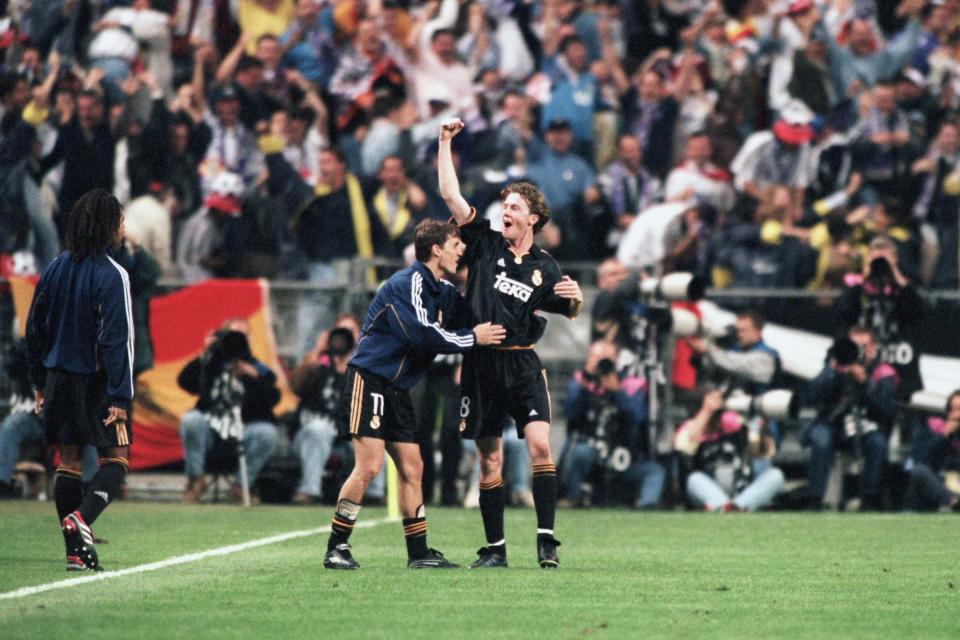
179	324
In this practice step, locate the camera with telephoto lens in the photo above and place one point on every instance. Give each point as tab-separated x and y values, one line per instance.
340	342
229	345
776	404
881	273
846	352
673	287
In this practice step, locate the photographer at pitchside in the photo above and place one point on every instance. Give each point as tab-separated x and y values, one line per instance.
237	396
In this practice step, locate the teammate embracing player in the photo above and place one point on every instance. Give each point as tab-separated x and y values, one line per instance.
406	326
510	278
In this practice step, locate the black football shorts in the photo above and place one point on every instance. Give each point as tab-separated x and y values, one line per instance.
74	408
498	383
371	408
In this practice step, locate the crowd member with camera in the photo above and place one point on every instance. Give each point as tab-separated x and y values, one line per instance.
318	382
237	394
720	446
935	476
746	362
856	400
607	429
883	300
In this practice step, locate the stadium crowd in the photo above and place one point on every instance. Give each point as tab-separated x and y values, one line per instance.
755	143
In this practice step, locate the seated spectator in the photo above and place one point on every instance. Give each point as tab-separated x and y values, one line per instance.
935	476
237	394
855	396
607	432
722	447
318	382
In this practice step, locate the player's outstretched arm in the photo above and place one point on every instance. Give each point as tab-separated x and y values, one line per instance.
489	333
447	174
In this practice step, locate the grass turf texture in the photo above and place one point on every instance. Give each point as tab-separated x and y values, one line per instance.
623	575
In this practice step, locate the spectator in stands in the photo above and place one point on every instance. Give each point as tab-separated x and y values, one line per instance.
237	394
147	220
697	176
212	241
85	145
575	94
650	113
861	63
394	125
436	67
856	400
777	157
262	17
935	476
938	202
232	147
370	62
308	43
881	139
720	447
398	202
607	432
318	381
627	187
331	228
569	185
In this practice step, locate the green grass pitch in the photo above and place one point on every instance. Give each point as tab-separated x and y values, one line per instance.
623	575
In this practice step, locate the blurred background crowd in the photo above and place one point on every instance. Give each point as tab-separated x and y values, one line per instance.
762	145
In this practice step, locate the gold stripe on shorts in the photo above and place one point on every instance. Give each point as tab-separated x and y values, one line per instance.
356	408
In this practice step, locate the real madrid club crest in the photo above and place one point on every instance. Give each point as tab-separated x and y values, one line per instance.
537	278
375	422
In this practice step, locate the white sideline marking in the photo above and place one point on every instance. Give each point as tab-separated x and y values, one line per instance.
170	562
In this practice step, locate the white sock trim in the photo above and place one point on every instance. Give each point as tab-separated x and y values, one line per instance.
547	531
498	543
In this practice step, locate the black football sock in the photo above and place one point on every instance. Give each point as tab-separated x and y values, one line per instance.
415	533
492	503
545	496
343	520
67	491
104	488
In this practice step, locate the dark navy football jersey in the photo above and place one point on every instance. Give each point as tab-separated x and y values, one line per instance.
507	289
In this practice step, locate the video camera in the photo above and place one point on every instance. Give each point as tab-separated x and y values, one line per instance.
776	404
